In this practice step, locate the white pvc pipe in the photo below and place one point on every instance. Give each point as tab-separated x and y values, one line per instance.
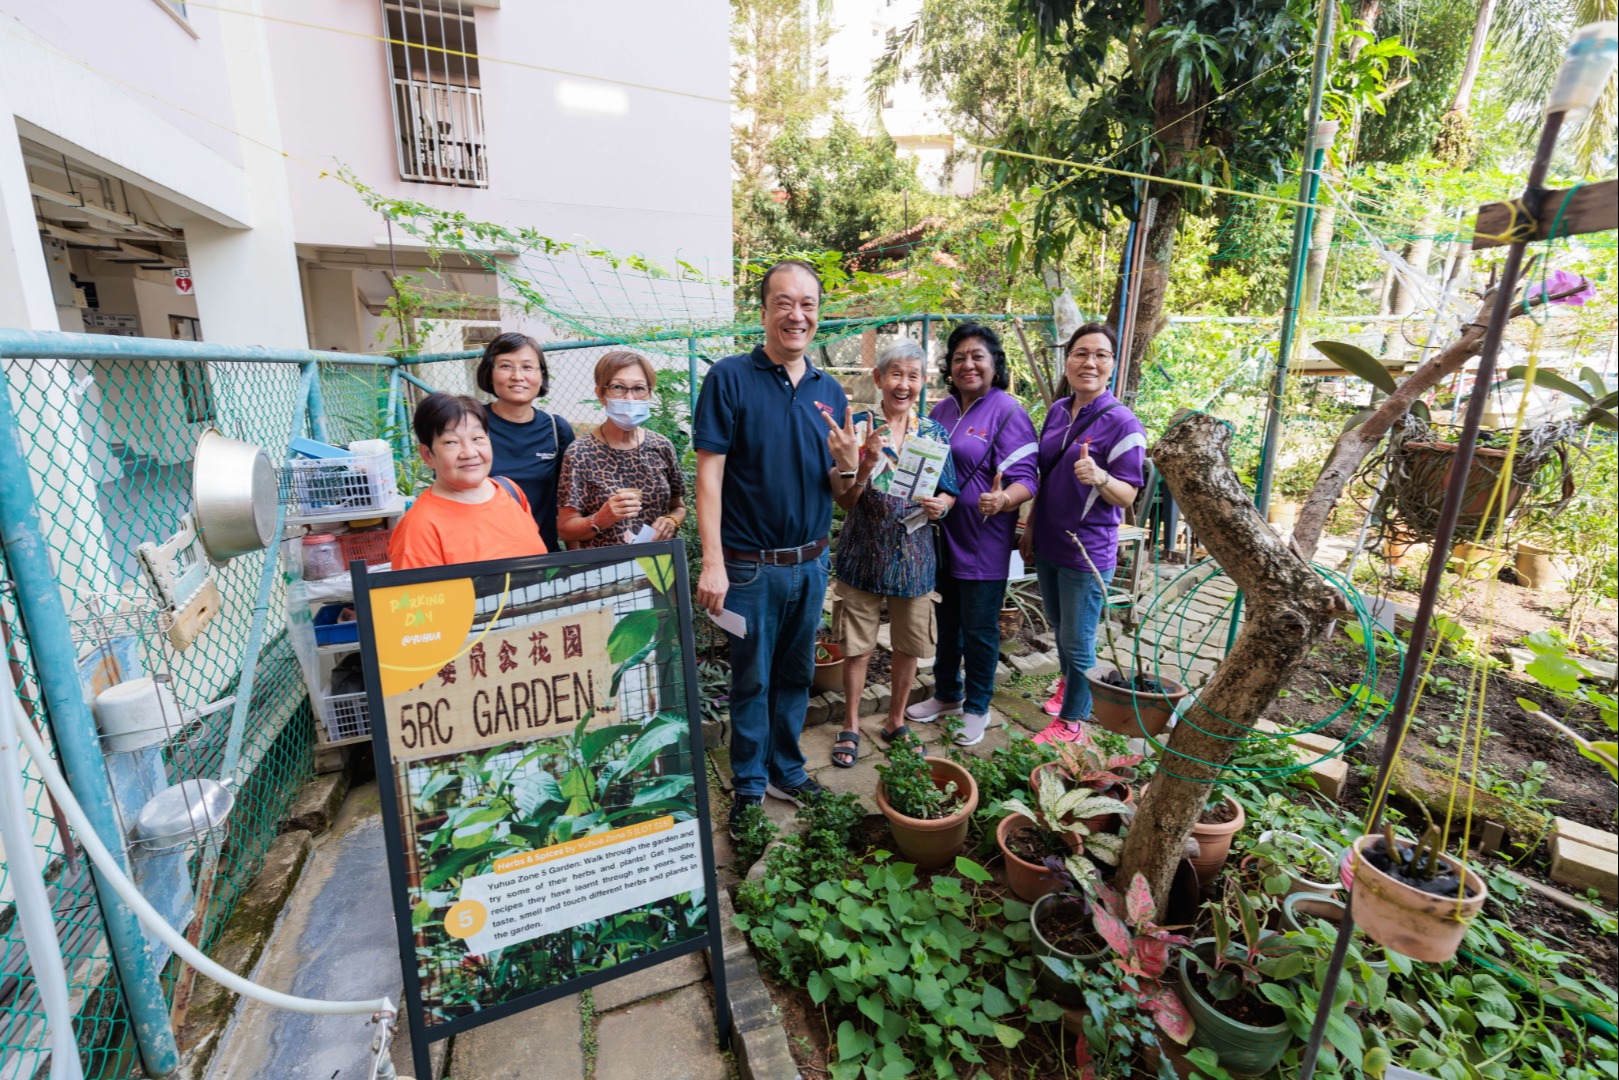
33	903
148	915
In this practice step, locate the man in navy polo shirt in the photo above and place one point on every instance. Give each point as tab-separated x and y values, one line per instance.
773	449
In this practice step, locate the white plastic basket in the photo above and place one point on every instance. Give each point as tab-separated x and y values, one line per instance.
347	716
357	483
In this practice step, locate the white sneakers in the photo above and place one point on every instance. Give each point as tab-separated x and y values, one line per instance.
926	712
972	729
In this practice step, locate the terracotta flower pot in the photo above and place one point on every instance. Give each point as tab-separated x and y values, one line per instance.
1477	560
1406	920
828	678
1125	712
1539	568
1063	993
1028	881
933	842
1214	844
1283	515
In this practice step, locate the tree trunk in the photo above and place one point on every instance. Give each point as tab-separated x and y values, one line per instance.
1289	607
1418	253
1315	264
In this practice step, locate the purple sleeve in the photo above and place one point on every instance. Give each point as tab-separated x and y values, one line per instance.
1127	458
1016	433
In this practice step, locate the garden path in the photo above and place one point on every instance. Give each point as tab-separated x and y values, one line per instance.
336	939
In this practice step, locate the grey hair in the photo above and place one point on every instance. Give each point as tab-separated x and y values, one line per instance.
902	348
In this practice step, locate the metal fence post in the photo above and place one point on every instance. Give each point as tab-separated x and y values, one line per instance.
691	380
317	403
50	639
922	402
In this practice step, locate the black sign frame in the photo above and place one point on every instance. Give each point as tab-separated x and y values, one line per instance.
422	1036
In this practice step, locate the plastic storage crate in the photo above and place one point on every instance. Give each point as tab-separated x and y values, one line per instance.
356	483
347	716
369	547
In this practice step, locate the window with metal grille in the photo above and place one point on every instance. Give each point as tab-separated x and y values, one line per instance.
437	97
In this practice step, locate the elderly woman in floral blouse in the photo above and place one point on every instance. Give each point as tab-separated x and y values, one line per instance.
884	551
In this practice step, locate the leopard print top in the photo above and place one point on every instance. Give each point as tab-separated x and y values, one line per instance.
592	471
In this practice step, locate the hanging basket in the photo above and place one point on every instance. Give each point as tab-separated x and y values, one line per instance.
1424	469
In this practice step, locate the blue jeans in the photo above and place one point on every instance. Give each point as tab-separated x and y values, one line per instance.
1073	602
772	668
970	630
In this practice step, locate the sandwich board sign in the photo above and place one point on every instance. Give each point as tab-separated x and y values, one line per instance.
539	757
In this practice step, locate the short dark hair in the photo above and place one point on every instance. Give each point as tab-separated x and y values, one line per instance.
1105	329
503	345
1002	379
437	413
764	282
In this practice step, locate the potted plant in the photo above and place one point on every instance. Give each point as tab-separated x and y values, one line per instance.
1538	567
1221	979
1219	823
928	802
1062	928
1085	763
1055	826
1412	898
1303	913
828	678
1129	1004
1293	863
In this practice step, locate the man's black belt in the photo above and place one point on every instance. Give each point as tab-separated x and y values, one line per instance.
779	556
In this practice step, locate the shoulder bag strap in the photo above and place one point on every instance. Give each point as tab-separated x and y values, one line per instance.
1080	430
509	487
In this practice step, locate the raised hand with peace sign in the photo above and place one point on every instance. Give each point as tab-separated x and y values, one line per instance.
842	441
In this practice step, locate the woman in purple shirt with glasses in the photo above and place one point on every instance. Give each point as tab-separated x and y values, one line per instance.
992	448
1093	455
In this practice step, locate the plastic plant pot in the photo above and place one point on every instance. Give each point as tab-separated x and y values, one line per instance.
1126	712
1061	992
1214	843
1244	1049
933	842
1407	920
1028	881
1297	881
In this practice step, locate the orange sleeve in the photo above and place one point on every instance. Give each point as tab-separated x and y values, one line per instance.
415	541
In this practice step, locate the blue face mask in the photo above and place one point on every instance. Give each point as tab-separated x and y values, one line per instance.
628	415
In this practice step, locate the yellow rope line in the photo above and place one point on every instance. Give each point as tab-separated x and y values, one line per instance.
1207	188
480	57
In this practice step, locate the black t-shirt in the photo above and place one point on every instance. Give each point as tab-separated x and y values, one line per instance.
530	455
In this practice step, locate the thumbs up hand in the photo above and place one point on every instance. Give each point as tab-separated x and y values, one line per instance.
1086	470
994	500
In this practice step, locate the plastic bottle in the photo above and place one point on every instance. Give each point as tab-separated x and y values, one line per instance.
1587	65
322	557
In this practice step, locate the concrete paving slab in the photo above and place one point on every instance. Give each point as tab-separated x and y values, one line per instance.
860	781
547	1041
668	1039
650	982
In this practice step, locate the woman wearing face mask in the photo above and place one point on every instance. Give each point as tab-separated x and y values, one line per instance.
528	443
621	478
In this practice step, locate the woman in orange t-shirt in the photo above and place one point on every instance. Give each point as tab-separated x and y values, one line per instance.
465	516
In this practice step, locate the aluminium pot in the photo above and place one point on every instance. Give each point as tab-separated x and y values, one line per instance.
933	842
233	496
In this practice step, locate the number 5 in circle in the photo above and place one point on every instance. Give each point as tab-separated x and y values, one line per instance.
465	919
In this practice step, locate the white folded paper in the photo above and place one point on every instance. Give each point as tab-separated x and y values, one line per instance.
730	622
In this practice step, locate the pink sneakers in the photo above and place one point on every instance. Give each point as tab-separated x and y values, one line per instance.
1053	706
1062	731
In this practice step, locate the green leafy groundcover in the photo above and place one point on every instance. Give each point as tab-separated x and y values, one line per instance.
938	971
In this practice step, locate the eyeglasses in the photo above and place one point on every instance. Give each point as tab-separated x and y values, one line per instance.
1099	357
621	392
512	369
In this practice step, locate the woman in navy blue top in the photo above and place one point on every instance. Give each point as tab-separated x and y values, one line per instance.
528	443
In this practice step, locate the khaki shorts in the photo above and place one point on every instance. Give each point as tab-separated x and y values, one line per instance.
856	614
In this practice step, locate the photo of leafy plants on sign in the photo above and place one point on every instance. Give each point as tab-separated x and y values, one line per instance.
466	812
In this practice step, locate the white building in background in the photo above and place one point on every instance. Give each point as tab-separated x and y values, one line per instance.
161	167
858	33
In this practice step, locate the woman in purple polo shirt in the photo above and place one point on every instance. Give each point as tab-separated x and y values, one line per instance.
992	448
1093	454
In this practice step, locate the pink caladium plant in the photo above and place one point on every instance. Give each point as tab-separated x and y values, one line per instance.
1142	951
1089	766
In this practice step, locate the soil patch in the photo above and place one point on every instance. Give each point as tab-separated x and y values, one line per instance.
1244	1008
1068	926
1033	845
1220	813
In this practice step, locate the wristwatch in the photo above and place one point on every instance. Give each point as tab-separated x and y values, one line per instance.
850	475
